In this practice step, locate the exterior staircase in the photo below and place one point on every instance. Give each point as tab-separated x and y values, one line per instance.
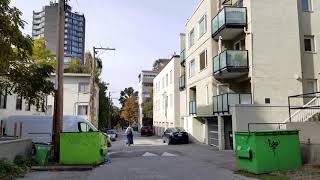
308	112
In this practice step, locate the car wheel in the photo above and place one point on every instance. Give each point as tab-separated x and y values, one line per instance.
163	140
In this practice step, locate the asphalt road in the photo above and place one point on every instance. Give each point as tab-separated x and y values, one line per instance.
150	159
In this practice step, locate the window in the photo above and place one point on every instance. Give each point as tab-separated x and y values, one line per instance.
309	45
192	68
49	110
203	26
203	60
167	80
267	100
171	77
19	103
82	110
306	5
171	100
84	127
163	82
83	87
3	101
191	38
28	106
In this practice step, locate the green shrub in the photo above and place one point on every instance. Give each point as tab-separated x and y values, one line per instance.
19	167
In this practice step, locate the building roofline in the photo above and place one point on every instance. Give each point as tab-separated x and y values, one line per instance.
194	12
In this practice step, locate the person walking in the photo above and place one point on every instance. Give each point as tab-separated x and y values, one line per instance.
129	134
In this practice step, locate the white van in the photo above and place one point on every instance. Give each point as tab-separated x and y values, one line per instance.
39	128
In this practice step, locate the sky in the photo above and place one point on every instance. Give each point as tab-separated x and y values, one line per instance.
140	30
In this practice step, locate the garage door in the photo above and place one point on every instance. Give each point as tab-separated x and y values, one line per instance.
213	132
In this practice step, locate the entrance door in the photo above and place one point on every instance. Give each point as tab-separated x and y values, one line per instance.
213	137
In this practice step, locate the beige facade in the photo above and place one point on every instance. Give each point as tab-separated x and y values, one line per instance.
166	98
76	96
240	62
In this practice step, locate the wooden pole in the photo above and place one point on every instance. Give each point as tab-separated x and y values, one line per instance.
58	111
15	130
20	130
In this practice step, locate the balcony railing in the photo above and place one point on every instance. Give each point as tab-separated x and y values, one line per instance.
233	18
230	64
222	103
192	107
182	82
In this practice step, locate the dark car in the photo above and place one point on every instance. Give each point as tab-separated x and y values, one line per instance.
146	131
175	135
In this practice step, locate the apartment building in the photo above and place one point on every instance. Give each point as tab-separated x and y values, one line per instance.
45	26
145	93
76	96
166	98
240	60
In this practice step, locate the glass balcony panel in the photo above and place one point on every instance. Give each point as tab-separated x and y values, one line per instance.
225	104
221	19
215	24
245	99
216	64
233	99
223	60
215	104
237	58
220	103
235	15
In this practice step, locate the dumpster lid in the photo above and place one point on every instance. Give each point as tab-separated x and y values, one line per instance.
274	132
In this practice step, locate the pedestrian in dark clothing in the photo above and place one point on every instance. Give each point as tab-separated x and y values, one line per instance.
129	134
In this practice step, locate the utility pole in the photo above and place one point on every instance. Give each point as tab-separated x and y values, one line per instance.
93	80
58	100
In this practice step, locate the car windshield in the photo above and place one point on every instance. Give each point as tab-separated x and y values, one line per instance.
178	130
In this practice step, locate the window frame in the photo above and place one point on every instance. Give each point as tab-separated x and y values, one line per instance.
19	102
203	19
87	110
205	61
194	71
5	98
86	85
312	43
191	39
310	6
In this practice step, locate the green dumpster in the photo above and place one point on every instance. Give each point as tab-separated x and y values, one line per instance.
85	148
268	151
42	153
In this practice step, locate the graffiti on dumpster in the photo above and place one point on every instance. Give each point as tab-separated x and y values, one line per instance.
273	145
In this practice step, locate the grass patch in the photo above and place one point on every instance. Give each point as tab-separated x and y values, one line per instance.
18	168
263	176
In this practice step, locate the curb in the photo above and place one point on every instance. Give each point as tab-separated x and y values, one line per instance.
61	168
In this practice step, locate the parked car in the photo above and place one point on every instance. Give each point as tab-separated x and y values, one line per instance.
112	135
175	135
115	131
146	131
108	139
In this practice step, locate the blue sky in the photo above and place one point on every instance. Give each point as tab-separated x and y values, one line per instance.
141	31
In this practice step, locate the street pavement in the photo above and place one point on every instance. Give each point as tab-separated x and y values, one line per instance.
150	159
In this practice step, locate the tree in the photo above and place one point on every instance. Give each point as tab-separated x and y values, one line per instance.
104	105
130	112
74	66
20	73
42	55
126	94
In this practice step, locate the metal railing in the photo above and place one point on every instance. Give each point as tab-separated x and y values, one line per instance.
182	82
229	16
305	112
230	59
222	103
192	107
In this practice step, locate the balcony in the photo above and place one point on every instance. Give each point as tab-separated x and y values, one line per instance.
222	103
183	57
182	82
230	64
192	108
229	23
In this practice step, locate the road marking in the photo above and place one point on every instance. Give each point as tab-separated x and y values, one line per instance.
168	154
147	154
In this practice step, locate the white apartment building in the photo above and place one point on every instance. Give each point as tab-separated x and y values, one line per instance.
240	62
76	96
11	105
145	88
166	99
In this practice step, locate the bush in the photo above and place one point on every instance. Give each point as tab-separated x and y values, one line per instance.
19	167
